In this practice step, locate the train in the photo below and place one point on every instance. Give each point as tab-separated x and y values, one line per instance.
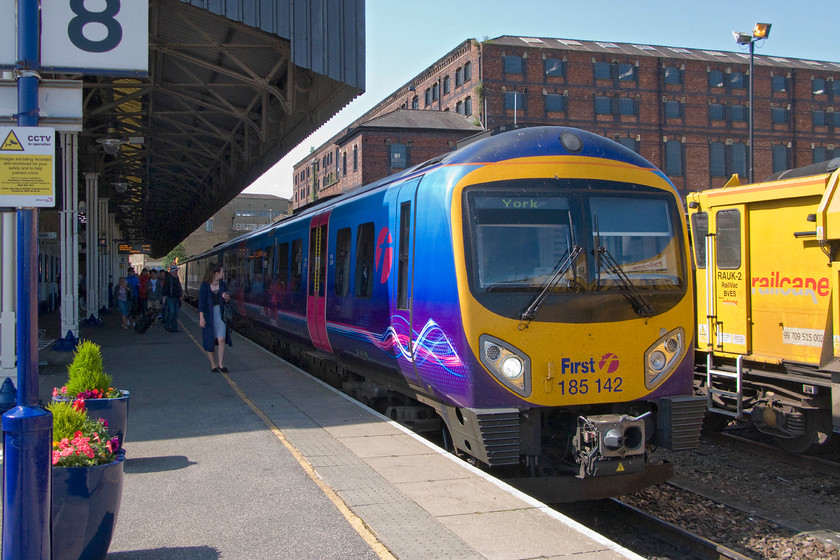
528	293
768	304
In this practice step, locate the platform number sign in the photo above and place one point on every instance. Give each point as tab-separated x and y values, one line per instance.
95	36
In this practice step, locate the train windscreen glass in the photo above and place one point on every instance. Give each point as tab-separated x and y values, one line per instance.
521	238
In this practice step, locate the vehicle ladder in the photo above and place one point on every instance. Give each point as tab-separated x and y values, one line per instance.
715	374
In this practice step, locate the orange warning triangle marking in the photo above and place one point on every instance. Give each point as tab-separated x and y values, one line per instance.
11	143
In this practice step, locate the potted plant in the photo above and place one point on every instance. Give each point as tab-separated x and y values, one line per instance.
87	482
88	381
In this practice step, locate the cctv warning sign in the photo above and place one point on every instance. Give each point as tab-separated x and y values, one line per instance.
27	167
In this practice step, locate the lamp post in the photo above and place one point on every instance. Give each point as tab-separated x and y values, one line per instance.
760	31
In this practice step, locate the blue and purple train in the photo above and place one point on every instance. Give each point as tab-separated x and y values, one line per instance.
532	287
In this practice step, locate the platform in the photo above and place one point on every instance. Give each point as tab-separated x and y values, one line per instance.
266	462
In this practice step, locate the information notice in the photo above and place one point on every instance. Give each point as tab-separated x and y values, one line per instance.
27	167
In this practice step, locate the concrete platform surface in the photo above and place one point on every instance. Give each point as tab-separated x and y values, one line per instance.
268	462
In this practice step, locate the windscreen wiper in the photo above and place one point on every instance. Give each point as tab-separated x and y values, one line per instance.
563	266
628	290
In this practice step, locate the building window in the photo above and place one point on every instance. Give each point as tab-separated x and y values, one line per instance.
208	226
738	113
513	64
468	106
446	85
819	154
835	87
717	159
514	100
737	80
554	67
818	86
626	106
778	83
355	158
673	75
780	158
459	77
780	115
344	164
428	96
674	158
716	79
603	105
415	103
716	112
673	109
626	72
726	160
602	71
555	103
459	107
467	72
399	156
435	92
629	142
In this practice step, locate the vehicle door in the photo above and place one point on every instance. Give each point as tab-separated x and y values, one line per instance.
730	285
317	281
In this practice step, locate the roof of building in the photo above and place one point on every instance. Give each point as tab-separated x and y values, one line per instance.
259	195
416	118
640	49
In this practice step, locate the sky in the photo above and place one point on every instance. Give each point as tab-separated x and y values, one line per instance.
404	38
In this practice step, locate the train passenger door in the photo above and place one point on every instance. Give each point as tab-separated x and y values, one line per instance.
403	293
730	286
316	305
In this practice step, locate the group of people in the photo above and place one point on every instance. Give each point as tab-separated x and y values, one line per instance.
134	295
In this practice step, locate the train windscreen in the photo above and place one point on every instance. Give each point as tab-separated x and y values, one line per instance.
576	239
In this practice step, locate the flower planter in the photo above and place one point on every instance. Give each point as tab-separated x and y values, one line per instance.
113	411
85	504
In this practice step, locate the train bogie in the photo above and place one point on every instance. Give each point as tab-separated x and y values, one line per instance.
531	288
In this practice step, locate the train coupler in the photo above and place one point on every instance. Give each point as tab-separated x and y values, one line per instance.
610	444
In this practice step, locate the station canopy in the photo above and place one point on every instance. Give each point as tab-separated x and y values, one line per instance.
233	85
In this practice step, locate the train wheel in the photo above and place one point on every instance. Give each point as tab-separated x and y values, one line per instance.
817	433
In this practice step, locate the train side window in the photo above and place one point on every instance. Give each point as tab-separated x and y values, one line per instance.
342	262
402	267
297	265
364	260
728	239
699	230
283	266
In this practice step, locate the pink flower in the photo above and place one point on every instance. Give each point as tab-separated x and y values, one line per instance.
55	391
66	451
79	404
56	456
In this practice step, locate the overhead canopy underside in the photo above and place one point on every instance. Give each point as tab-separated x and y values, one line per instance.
222	103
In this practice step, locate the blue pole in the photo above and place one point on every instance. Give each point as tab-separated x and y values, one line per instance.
27	442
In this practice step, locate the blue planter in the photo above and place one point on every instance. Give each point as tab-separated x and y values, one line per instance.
113	411
85	504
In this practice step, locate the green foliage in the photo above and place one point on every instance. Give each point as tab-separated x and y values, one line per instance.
85	372
67	420
179	254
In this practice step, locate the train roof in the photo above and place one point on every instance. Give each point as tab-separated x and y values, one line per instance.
502	143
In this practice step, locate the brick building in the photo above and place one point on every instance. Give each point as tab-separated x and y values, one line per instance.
685	110
376	148
246	212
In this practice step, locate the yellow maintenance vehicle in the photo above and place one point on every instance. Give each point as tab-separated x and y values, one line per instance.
767	265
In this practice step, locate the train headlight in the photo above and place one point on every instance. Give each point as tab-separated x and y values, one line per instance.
663	356
507	363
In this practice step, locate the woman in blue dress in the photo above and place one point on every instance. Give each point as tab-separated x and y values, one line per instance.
212	295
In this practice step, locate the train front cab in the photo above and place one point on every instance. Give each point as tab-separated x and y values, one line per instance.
767	306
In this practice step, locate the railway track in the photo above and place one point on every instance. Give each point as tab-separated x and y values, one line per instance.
645	534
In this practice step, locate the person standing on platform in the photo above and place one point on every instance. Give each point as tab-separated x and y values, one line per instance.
134	285
142	291
212	297
173	293
122	295
154	289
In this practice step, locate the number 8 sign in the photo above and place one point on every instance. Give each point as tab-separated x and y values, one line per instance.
95	36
